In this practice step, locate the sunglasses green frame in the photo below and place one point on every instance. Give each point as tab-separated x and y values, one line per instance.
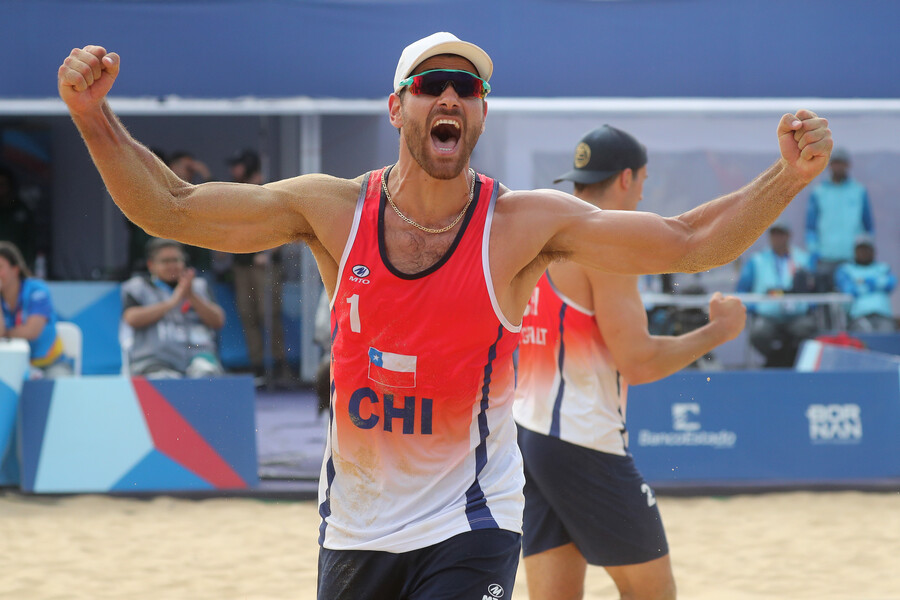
484	84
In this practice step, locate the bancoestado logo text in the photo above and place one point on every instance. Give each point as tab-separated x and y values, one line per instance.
834	423
687	430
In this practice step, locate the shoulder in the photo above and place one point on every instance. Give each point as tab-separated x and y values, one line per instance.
137	287
318	186
135	281
546	205
35	291
612	290
799	254
33	286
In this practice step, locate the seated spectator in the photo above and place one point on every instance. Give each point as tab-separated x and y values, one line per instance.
173	319
777	329
28	314
870	283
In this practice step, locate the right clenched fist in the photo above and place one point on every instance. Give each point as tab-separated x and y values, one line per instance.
729	312
86	76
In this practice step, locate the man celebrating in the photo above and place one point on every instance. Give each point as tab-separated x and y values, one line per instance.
421	485
584	341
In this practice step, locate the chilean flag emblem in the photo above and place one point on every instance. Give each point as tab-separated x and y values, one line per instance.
392	370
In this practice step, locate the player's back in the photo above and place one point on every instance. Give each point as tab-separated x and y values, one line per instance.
568	383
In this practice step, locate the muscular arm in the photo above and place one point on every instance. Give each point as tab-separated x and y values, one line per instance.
223	216
705	237
710	235
639	356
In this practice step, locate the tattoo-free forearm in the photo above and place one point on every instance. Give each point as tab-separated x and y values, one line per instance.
139	183
722	229
669	354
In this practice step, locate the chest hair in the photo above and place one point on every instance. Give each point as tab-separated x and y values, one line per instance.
411	251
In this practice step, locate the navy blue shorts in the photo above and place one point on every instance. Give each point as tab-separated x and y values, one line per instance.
475	564
598	501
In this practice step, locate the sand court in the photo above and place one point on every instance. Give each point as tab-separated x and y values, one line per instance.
834	545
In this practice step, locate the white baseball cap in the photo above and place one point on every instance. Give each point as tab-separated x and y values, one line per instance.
441	43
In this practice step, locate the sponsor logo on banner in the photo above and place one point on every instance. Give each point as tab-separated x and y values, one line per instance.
392	370
834	423
687	430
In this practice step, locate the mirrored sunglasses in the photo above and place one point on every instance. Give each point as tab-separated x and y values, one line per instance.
435	81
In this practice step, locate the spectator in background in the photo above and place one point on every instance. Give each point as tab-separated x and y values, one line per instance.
837	213
870	283
172	318
28	314
258	281
777	328
17	224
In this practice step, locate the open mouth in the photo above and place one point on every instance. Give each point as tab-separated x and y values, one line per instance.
445	135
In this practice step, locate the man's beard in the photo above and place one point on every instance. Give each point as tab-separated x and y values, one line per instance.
418	140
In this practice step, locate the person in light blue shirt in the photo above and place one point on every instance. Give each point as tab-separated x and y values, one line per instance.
838	212
27	313
777	328
870	283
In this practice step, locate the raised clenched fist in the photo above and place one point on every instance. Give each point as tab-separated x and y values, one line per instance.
86	76
728	311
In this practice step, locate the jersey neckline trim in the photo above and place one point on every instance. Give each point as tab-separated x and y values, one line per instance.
382	247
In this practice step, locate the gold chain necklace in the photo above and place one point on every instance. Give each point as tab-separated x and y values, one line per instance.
422	227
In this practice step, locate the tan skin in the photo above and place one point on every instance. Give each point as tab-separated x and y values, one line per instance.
430	185
168	265
559	573
189	169
318	209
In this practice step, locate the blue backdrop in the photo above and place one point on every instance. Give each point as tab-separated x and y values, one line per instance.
546	48
767	428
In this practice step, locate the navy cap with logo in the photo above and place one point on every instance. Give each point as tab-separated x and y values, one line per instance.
602	153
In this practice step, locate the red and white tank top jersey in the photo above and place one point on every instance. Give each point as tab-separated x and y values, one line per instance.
569	387
422	443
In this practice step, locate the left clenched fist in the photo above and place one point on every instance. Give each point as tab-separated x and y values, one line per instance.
729	312
805	143
86	76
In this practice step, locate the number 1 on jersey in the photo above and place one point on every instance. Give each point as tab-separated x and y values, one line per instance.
353	301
